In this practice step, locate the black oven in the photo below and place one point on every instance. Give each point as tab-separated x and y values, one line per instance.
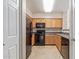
40	34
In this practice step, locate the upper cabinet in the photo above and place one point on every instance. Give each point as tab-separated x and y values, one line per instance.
57	23
49	22
37	20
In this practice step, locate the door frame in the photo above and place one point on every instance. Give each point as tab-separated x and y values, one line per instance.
72	29
22	31
72	39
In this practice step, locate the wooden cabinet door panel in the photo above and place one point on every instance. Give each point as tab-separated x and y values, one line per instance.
57	23
49	39
49	23
58	42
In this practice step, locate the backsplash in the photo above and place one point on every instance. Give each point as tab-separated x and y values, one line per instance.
48	29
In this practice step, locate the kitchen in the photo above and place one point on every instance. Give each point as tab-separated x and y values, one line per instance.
47	29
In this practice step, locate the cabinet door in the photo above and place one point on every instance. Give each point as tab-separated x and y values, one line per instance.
58	42
34	21
57	23
48	23
50	39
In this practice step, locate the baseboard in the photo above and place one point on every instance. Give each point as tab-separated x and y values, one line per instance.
50	44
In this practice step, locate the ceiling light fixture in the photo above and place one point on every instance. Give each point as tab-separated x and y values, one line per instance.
48	5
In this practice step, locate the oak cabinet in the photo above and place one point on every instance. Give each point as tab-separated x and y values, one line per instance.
57	23
53	22
58	42
48	23
50	39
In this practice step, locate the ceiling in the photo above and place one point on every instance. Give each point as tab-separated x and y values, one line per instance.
36	6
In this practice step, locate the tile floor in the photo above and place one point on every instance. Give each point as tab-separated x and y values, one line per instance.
45	52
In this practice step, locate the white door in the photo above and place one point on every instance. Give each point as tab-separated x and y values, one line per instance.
11	29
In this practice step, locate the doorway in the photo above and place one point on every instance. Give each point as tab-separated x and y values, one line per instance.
57	30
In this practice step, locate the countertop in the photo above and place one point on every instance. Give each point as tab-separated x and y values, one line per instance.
65	35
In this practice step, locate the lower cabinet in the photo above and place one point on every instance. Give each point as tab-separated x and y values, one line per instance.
54	40
58	42
50	39
65	47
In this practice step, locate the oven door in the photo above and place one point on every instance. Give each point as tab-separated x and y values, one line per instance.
40	37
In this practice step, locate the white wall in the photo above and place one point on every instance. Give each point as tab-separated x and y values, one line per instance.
44	15
66	20
47	15
29	12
